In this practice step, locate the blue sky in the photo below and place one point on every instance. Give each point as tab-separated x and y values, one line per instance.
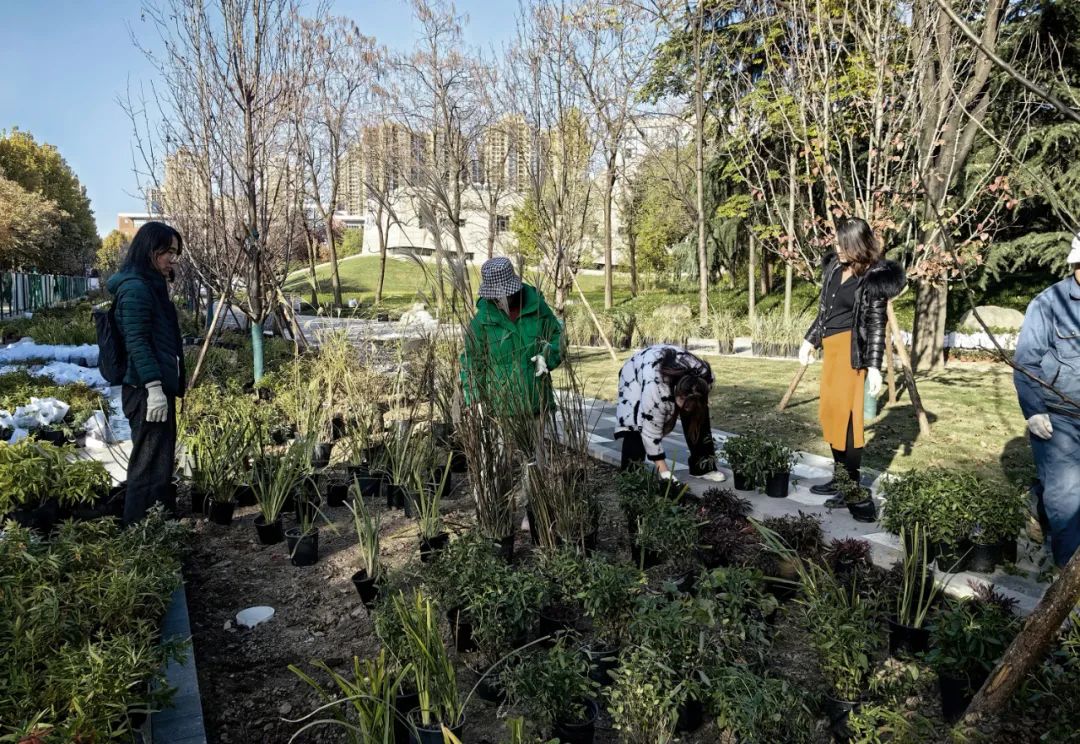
63	63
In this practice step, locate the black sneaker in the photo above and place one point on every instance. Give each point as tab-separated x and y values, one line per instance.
825	489
836	502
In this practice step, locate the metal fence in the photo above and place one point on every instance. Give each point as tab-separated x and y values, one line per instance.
21	292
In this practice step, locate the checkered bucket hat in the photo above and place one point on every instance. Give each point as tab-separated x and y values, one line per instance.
497	279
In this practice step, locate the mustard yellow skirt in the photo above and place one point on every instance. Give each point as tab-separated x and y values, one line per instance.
841	393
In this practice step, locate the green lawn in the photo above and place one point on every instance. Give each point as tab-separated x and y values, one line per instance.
975	422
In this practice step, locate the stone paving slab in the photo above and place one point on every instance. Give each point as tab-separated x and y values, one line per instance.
809	470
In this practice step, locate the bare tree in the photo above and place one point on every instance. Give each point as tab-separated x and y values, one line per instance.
611	53
229	77
338	61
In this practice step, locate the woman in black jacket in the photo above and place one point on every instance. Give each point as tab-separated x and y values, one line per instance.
857	284
150	328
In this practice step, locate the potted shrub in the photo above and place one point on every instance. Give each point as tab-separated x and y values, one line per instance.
83	488
998	514
433	673
608	595
741	454
560	609
722	517
274	479
427	506
858	500
554	687
966	639
666	532
502	613
367	524
774	462
642	702
26	475
918	590
456	577
938	499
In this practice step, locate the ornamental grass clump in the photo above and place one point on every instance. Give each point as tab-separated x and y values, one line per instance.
432	671
360	705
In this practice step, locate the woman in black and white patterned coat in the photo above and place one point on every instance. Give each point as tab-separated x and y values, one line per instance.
658	386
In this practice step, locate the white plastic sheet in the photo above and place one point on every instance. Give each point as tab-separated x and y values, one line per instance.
26	350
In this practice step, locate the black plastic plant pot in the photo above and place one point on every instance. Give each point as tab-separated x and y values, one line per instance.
371	484
442	432
245	495
199	500
433	735
367	588
555	620
337	428
984	558
691	716
269	534
396	496
374	454
644	558
383	317
956	694
403	703
337	494
931	547
221	512
303	549
461	631
777	485
429	548
838	712
683	584
578	732
905	640
953	557
55	438
491	690
320	455
603	661
863	511
504	547
1008	550
458	462
742	482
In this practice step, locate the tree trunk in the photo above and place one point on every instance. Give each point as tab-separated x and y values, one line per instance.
335	277
766	276
699	171
631	246
384	238
609	189
312	260
789	269
909	373
751	287
492	225
1030	645
928	335
789	277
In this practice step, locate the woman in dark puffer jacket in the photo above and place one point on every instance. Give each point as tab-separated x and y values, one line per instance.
857	284
150	328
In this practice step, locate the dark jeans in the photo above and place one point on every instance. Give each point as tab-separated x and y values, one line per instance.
1058	462
698	440
153	456
850	458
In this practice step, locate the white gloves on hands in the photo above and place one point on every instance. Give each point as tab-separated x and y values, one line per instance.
665	475
1040	426
541	365
806	353
873	381
157	405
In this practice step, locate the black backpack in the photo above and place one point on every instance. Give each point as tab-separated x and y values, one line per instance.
112	356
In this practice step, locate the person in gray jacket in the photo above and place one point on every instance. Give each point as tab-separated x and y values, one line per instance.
1048	384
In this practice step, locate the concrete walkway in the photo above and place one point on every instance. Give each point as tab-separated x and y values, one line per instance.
810	470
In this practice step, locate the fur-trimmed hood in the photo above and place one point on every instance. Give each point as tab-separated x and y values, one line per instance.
885	279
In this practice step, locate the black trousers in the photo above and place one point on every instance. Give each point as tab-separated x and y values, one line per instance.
699	441
153	457
849	458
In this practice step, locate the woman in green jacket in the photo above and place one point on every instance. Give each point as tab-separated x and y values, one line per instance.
513	341
150	329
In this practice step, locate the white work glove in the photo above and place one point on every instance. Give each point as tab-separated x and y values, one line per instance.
157	405
665	475
541	364
806	353
873	381
1040	425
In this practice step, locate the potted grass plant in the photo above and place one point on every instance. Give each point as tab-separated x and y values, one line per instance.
554	687
367	523
303	539
492	475
433	673
361	704
428	501
275	478
908	633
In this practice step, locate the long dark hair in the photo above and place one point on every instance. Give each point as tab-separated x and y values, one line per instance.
688	381
859	244
152	239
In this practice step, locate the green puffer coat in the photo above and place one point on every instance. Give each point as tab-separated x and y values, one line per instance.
496	365
151	329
